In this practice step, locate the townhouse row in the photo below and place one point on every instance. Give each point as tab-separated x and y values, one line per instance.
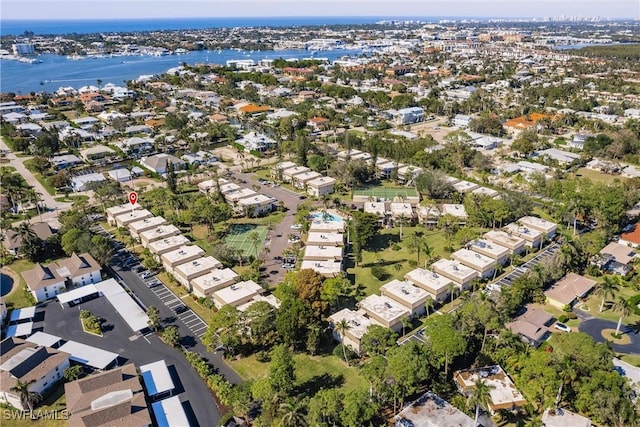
203	275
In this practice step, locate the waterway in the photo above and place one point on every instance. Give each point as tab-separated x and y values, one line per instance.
55	70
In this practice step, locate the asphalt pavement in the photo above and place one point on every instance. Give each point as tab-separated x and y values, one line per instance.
594	328
132	347
277	238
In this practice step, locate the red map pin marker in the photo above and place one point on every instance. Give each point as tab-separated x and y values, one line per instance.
133	197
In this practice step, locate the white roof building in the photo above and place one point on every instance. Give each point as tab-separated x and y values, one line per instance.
515	244
326	268
129	217
207	284
114	211
435	284
460	274
547	227
358	326
455	210
158	233
405	293
323	253
171	260
167	244
376	208
532	237
135	228
188	271
401	210
488	248
384	311
483	264
237	294
464	186
316	238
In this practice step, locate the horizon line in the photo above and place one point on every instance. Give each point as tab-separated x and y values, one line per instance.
391	17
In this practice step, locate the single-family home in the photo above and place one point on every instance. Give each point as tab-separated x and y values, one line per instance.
158	163
568	290
503	393
560	417
254	141
532	326
464	187
409	115
13	240
430	410
631	238
84	182
462	121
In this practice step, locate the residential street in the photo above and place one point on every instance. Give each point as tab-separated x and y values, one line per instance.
53	207
594	327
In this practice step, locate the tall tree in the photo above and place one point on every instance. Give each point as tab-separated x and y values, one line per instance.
282	375
621	306
172	182
607	288
342	327
154	318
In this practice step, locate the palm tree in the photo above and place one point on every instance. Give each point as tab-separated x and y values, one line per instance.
607	288
292	413
567	374
429	303
452	290
480	397
622	307
342	327
154	318
27	397
406	323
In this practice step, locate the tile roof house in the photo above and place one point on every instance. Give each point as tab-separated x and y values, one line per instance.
111	398
503	395
532	326
13	241
631	238
47	281
430	410
568	290
26	361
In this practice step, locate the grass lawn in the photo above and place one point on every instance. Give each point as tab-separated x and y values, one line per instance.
56	401
631	359
271	219
388	258
312	372
45	183
18	298
597	176
593	303
71	198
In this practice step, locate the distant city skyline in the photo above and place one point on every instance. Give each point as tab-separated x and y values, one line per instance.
148	9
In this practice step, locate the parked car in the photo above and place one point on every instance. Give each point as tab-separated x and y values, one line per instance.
297	226
562	327
180	309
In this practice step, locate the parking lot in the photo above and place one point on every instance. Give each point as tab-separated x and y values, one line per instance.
182	311
508	279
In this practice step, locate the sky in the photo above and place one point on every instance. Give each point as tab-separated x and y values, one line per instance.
115	9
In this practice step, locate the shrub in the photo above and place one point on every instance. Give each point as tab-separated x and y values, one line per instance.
337	351
563	318
263	356
379	272
225	419
413	263
571	316
395	246
633	303
566	308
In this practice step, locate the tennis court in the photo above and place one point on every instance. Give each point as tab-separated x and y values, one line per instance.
386	192
240	237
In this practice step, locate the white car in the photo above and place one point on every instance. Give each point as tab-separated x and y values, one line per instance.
297	226
562	327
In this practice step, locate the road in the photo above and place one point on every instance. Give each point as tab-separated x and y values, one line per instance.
277	238
118	337
594	328
53	207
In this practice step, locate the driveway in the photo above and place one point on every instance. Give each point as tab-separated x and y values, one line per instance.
276	238
118	337
594	328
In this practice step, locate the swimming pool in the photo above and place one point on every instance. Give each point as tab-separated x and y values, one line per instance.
326	216
6	283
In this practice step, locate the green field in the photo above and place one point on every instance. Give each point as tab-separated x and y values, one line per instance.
239	237
386	192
